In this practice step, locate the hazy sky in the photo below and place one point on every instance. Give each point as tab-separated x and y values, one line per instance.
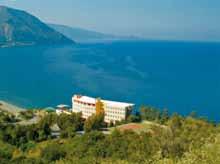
154	19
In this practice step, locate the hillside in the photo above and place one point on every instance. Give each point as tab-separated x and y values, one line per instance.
83	35
21	28
151	137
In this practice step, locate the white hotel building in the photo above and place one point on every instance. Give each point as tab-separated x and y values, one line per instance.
114	111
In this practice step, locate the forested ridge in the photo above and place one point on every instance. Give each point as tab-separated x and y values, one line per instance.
171	139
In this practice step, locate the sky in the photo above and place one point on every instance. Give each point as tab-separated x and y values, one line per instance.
151	19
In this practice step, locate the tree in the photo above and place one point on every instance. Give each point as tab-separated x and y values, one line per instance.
53	152
49	119
134	118
32	133
164	116
150	113
44	132
69	132
6	151
94	122
74	121
175	123
99	107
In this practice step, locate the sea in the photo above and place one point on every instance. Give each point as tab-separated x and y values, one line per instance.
179	76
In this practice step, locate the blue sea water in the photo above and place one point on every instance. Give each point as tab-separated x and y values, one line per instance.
179	76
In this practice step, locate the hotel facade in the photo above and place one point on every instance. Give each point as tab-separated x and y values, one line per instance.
114	111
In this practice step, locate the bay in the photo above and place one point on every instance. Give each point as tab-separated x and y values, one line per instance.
179	76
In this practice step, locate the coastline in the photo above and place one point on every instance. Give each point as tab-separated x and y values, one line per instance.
10	108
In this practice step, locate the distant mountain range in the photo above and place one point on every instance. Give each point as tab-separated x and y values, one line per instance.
18	27
83	35
21	28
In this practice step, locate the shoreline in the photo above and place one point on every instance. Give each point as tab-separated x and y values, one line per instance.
10	108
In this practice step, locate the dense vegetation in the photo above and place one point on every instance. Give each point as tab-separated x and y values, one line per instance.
177	139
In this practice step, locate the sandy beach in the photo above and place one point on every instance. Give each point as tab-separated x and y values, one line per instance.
7	107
